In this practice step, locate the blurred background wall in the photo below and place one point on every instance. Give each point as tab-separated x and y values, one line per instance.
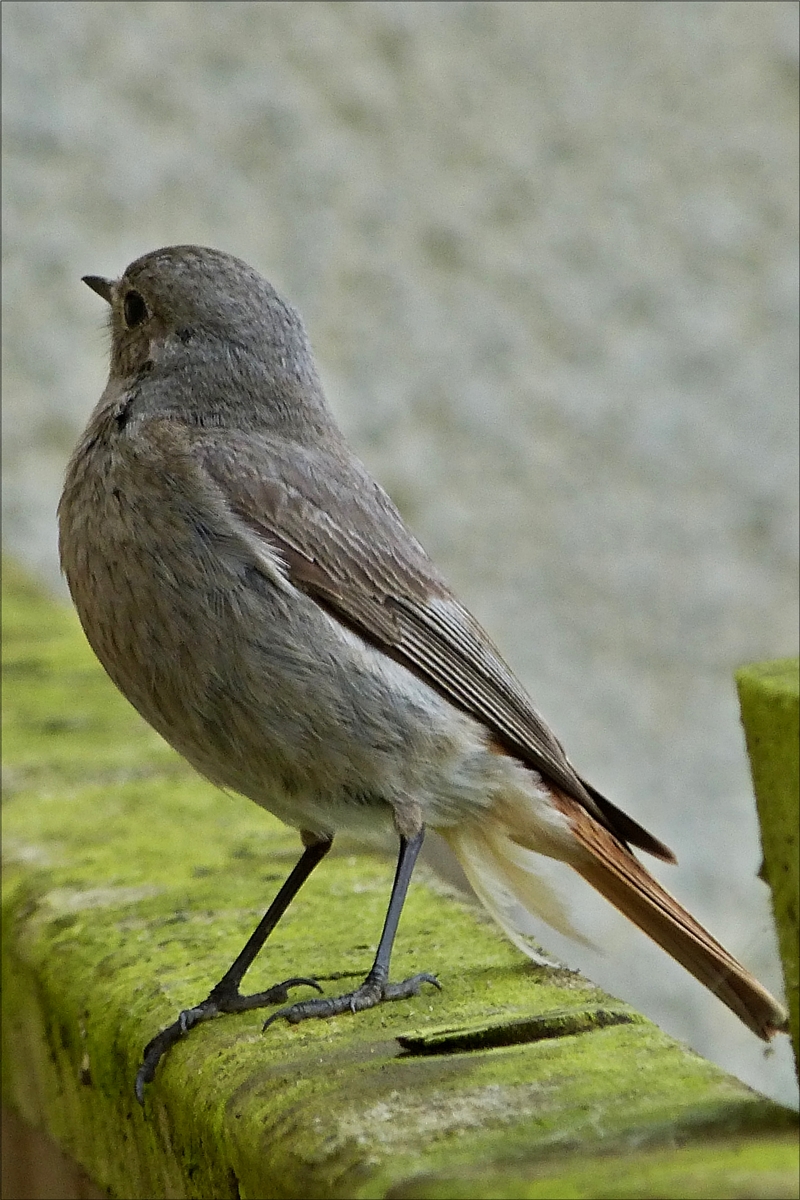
547	254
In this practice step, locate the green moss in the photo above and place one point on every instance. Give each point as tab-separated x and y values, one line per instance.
130	885
756	1168
769	696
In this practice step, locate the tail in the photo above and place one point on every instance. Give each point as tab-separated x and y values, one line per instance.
497	861
508	880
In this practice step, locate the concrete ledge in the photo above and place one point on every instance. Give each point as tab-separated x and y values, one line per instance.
129	885
769	697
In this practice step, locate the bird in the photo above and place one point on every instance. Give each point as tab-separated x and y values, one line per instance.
256	595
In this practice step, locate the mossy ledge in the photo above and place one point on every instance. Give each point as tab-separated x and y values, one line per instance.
769	698
129	884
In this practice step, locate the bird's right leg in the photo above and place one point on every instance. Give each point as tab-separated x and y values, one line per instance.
225	996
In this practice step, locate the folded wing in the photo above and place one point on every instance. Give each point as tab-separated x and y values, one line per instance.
365	567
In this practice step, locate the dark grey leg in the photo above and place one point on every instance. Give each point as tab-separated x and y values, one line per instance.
225	996
375	987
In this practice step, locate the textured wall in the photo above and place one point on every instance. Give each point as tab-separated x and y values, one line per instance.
547	255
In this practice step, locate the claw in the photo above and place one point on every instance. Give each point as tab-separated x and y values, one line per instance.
280	991
216	1003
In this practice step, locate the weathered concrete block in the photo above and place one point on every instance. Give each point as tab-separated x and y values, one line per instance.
769	696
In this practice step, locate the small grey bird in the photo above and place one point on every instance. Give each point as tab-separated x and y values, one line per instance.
256	596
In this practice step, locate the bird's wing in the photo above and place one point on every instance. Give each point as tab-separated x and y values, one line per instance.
345	544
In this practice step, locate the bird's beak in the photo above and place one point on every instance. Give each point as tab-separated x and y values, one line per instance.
103	287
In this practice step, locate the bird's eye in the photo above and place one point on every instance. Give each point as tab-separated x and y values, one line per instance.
134	309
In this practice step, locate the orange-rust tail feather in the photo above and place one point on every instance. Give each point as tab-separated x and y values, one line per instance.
620	877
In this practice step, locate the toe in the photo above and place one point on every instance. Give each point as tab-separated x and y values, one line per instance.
370	993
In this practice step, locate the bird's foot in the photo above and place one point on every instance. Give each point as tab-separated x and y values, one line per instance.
371	992
219	1000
